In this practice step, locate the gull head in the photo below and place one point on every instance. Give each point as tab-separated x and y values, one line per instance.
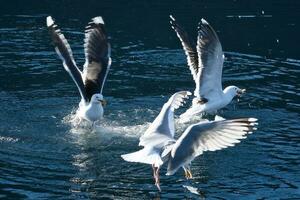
98	98
234	91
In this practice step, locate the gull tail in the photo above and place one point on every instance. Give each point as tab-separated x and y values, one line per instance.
145	155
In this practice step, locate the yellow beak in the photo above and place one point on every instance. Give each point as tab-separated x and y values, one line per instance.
103	102
241	91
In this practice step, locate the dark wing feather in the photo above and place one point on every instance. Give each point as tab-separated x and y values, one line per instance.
64	51
97	55
188	46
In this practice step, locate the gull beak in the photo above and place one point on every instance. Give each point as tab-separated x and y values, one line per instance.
240	92
103	102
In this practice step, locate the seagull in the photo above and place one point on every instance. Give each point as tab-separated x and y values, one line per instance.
160	146
158	137
90	81
205	60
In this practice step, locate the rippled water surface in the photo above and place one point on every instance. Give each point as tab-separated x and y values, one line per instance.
43	156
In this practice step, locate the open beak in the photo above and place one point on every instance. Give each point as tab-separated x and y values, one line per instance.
103	102
240	92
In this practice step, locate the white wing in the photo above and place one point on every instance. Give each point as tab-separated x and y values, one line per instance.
211	58
208	136
161	131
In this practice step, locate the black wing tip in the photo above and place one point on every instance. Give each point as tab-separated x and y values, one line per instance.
96	22
203	21
250	122
204	25
52	26
206	30
173	22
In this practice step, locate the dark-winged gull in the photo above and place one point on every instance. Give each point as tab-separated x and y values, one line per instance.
91	81
205	60
160	145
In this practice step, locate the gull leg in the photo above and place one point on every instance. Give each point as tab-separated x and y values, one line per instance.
187	172
156	177
190	175
157	181
154	174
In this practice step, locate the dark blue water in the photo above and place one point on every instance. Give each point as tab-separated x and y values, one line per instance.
43	157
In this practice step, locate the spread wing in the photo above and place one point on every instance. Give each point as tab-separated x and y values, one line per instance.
188	46
97	57
211	58
208	136
64	51
162	129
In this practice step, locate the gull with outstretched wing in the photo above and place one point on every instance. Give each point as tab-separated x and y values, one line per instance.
160	146
91	81
205	60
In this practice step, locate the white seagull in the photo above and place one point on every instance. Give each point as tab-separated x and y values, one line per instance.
160	146
90	82
205	61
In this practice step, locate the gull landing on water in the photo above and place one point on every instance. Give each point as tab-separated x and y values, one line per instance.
158	136
160	146
91	81
205	60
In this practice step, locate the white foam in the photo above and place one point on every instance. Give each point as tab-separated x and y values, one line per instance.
8	139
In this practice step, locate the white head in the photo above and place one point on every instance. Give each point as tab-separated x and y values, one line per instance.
98	98
233	91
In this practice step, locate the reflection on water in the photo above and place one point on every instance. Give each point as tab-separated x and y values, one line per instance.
43	156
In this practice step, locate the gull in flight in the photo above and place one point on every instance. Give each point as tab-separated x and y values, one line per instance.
90	81
160	146
205	60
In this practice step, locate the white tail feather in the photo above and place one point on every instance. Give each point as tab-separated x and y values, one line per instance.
145	155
